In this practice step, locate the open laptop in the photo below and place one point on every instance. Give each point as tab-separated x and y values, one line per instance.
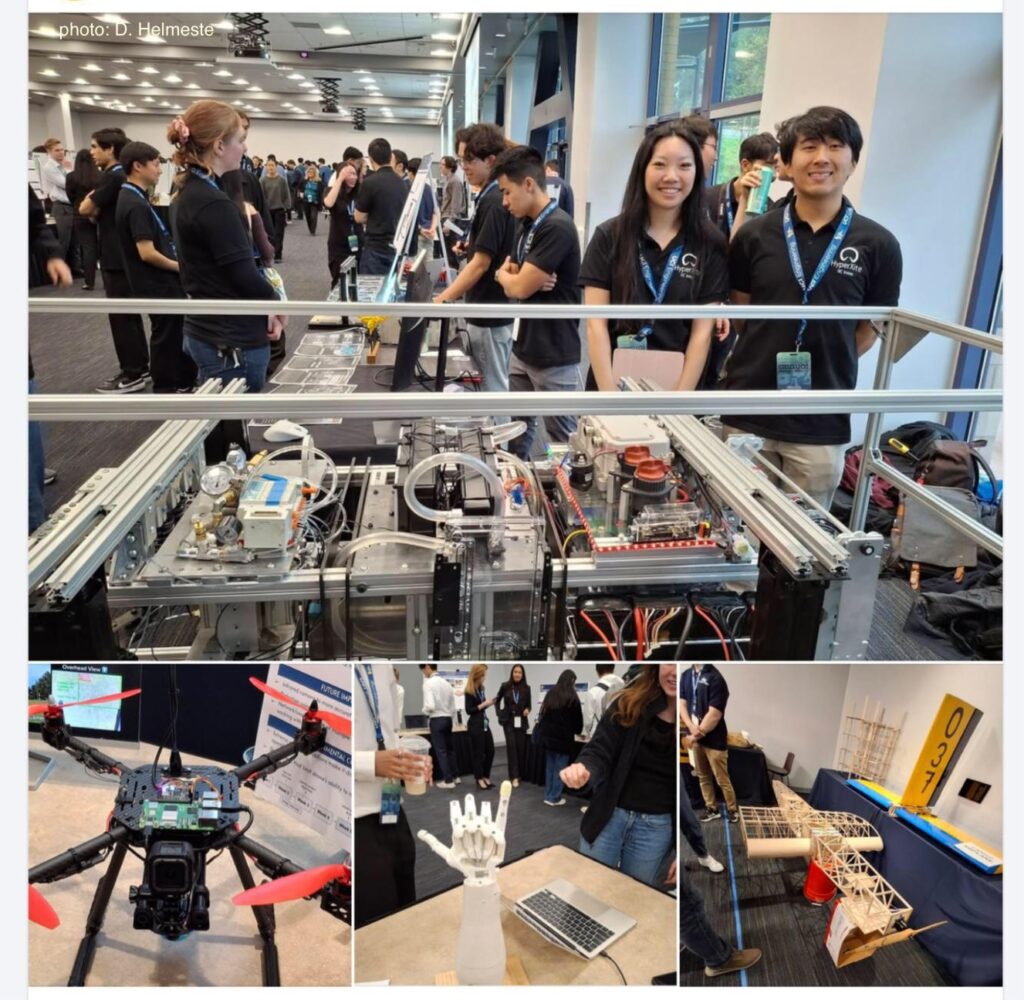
572	919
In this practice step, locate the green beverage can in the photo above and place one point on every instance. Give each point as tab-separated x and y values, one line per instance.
757	200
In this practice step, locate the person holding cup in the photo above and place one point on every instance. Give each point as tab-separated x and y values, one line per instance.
385	855
478	725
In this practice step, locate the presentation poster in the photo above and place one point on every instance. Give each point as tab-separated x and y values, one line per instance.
318	788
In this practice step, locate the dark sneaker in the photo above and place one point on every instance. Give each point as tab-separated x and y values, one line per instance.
146	376
49	476
740	959
122	383
709	815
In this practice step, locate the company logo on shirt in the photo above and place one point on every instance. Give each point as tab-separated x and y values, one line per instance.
847	262
688	266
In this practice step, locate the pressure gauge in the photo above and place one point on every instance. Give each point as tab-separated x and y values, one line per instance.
216	479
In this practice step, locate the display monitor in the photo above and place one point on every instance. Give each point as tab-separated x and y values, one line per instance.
418	288
70	682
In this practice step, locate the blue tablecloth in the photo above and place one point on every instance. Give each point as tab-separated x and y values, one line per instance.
938	884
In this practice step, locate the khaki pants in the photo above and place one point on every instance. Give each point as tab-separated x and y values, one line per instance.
713	762
815	468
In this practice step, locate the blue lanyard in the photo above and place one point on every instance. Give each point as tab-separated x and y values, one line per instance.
522	252
373	702
128	186
117	169
515	696
693	697
728	205
205	177
666	278
480	196
823	265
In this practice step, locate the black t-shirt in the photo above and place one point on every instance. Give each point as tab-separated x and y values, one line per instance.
210	235
137	222
709	691
343	224
105	199
867	270
700	279
381	196
651	785
491	231
549	343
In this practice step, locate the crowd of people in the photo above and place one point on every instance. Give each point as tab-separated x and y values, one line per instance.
505	215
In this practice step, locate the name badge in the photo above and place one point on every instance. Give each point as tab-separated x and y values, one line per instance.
517	722
353	242
390	802
793	370
630	343
515	329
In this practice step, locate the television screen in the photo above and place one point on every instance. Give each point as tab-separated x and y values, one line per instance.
68	682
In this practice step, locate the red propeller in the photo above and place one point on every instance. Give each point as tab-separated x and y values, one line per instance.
297	886
55	709
336	722
40	911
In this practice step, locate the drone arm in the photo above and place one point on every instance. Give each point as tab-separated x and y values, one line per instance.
307	740
58	736
267	861
77	859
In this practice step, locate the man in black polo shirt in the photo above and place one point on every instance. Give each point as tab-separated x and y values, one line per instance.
487	247
727	203
816	250
546	353
127	330
703	695
378	207
151	264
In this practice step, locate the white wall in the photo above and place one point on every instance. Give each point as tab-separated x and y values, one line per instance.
788	707
609	107
286	139
37	133
918	689
538	675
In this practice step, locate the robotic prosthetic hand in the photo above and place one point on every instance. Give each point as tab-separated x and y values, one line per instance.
478	847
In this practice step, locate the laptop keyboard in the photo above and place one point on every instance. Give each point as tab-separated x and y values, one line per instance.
583	931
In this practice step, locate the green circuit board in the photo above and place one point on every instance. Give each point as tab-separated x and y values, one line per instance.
193	815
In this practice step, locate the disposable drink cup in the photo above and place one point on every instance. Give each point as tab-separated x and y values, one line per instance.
420	747
757	200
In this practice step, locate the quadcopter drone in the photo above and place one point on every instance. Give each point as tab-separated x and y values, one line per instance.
177	815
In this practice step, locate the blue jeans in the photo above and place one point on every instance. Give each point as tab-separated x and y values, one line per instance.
36	506
690	825
442	742
695	933
491	348
635	843
527	378
553	763
376	261
212	364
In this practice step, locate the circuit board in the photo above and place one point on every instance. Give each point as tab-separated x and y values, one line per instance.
201	814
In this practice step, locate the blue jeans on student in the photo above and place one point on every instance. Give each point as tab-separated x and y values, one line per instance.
528	378
212	364
690	825
695	933
376	261
36	505
491	348
553	764
442	742
635	843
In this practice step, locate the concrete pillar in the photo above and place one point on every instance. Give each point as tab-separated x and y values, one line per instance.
519	97
59	122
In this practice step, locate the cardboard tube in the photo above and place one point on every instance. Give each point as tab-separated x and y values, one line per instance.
802	847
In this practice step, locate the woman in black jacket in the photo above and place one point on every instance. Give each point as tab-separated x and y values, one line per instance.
82	181
513	700
631	765
478	725
561	719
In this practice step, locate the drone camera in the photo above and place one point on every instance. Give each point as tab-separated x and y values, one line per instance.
170	901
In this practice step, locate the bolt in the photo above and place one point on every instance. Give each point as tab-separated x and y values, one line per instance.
868	550
361	588
130	539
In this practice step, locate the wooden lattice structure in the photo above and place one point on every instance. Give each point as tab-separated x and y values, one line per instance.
868	744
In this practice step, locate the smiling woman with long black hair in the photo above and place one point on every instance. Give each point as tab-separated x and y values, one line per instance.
660	249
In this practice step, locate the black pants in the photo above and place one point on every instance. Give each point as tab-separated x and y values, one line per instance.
88	241
312	214
127	330
172	369
376	261
63	218
515	749
385	866
482	742
277	218
442	741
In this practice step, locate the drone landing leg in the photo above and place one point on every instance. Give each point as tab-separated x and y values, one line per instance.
264	920
87	948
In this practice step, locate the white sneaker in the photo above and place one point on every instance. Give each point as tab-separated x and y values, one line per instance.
560	802
711	864
458	781
444	784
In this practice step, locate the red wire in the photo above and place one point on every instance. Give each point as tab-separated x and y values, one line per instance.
607	645
718	631
638	624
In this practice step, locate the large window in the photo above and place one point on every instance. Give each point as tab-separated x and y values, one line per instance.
712	64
